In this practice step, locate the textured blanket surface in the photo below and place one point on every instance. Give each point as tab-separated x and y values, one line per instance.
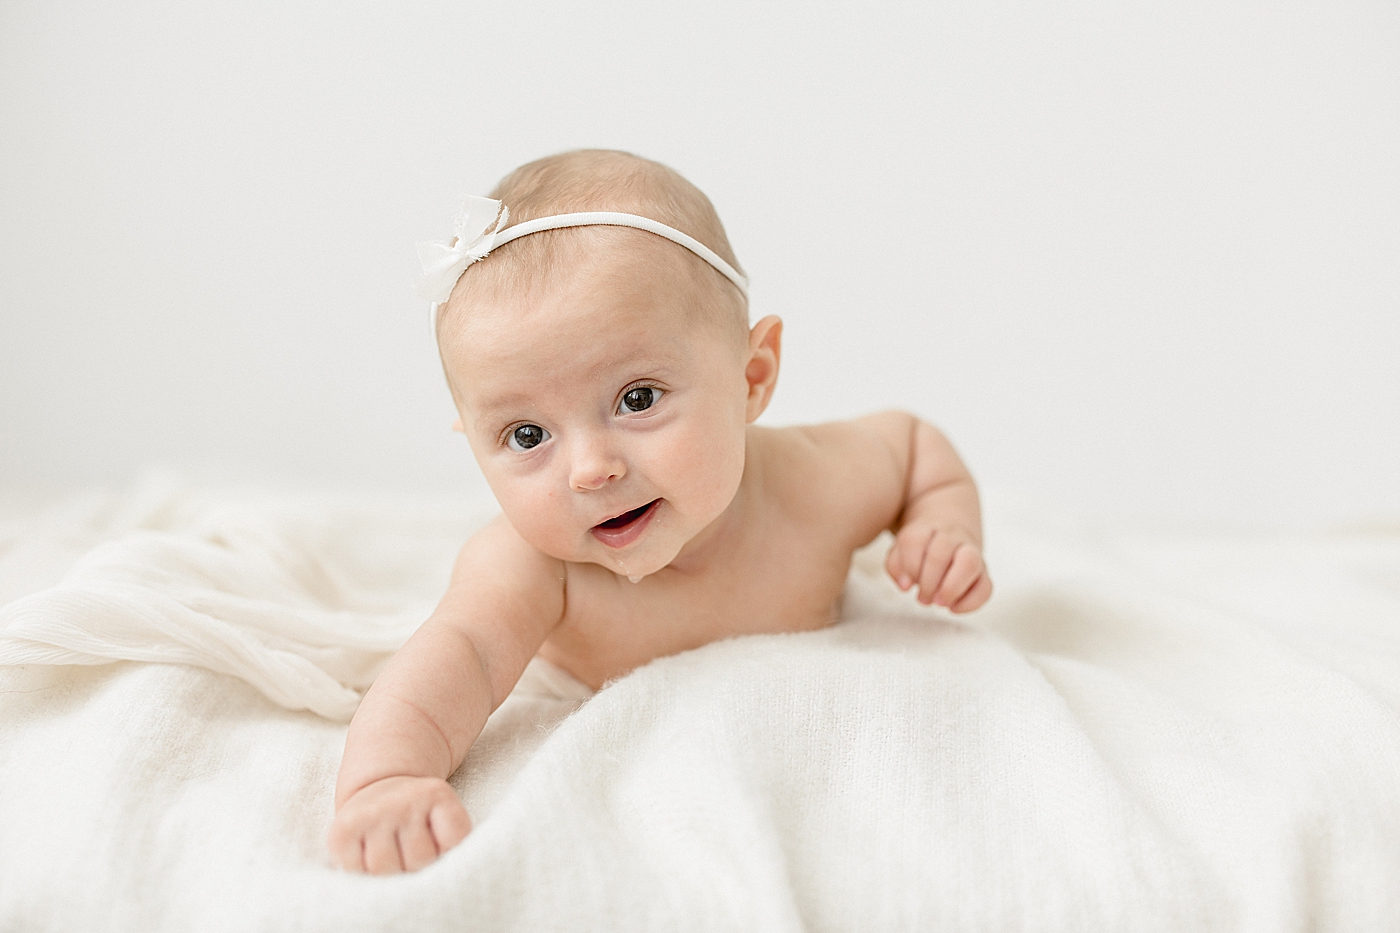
1138	733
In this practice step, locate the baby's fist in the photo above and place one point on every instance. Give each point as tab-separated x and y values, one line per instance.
945	564
397	824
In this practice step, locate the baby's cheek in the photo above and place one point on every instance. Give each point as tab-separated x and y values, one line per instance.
541	517
708	466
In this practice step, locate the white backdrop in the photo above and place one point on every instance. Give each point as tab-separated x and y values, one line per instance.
1141	261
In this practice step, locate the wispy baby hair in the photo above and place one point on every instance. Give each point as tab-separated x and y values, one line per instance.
602	180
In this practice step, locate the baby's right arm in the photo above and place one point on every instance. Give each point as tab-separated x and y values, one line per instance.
395	810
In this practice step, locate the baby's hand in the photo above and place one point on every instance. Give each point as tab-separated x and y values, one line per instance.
397	824
946	563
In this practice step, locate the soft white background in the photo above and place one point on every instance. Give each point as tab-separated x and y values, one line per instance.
1140	260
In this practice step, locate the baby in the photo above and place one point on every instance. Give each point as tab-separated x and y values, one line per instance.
605	373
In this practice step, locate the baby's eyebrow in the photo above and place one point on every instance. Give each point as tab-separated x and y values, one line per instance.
638	367
497	410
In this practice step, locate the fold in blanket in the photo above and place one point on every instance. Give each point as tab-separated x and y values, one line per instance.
255	597
154	596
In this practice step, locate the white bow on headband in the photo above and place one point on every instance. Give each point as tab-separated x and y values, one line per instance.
443	264
481	227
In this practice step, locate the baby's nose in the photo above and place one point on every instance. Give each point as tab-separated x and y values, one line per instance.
594	466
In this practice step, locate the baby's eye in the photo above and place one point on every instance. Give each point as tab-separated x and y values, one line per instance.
639	399
526	436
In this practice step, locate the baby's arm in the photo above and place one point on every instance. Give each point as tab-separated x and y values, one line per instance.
395	810
938	535
899	473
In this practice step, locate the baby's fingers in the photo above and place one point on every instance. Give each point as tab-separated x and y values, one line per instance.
963	572
347	848
936	560
450	824
382	851
977	596
416	845
906	556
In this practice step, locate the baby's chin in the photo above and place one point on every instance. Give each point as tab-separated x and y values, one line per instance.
658	546
644	563
661	543
641	559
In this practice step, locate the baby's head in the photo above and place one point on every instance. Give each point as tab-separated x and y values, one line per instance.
605	375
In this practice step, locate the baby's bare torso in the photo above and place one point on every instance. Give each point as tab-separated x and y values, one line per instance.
784	571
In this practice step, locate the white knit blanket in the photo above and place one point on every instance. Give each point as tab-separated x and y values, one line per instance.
1138	733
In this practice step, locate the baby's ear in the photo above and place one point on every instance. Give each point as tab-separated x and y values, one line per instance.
765	352
457	426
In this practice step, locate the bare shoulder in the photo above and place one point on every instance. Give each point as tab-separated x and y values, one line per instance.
496	556
872	446
506	597
848	472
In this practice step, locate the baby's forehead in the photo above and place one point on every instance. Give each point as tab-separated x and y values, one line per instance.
582	267
503	364
598	250
588	294
577	292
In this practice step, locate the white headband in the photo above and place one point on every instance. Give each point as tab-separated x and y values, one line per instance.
479	230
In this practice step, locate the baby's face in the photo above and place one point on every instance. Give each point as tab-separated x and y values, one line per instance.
607	413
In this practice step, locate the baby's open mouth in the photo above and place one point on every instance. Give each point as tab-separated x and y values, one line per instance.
621	530
626	518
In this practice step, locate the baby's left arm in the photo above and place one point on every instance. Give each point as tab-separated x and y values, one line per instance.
936	515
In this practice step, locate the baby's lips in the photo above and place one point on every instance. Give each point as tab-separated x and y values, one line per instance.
623	535
621	518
